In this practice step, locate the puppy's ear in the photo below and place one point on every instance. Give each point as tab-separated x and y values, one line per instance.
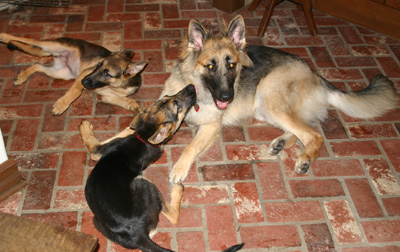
236	31
196	35
162	133
128	53
134	68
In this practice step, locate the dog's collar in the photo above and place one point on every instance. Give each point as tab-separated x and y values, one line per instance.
141	139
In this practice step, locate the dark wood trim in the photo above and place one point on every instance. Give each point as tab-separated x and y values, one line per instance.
370	14
10	179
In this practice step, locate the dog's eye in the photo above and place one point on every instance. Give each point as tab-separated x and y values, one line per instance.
232	65
211	67
106	74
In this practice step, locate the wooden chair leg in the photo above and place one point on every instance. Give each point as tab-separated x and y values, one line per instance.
267	17
307	7
254	5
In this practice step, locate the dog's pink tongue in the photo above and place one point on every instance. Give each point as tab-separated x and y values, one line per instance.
222	105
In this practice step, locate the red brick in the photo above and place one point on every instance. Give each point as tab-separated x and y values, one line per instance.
20	111
143	44
341	74
142	7
304	41
11	204
155	64
175	154
227	172
205	194
371	130
103	26
48	19
158	175
115	6
294	211
70	199
72	168
189	217
247	204
342	221
40	189
96	13
321	57
334	168
382	230
89	228
373	249
363	198
221	227
370	50
382	177
336	46
25	135
270	236
287	26
247	152
37	160
170	11
171	47
63	219
155	78
265	133
355	61
124	17
99	123
390	66
162	34
355	148
392	206
190	241
272	182
318	237
316	188
350	35
60	141
43	95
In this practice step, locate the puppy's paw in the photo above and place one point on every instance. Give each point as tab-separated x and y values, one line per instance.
3	38
58	108
86	128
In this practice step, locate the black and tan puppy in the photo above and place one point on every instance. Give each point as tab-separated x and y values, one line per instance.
112	75
126	206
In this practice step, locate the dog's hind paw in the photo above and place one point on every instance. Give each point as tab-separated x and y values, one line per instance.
276	147
177	176
86	128
302	167
19	80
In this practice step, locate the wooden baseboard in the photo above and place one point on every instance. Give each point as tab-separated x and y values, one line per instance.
22	234
378	17
10	179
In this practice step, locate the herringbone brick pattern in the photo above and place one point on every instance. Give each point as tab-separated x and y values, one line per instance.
349	201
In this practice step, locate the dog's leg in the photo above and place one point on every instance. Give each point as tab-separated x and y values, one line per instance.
171	211
311	140
125	102
284	141
205	136
91	142
60	73
71	95
126	132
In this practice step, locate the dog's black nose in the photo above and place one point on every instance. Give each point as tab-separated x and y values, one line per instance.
86	82
226	96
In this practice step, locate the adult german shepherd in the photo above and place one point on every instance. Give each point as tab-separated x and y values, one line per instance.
235	81
112	75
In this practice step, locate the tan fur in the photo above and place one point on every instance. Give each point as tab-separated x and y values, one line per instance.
69	64
288	95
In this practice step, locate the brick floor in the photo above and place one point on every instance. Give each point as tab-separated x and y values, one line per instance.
349	201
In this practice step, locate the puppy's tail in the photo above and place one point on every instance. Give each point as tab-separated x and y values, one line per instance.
26	48
148	245
234	248
375	100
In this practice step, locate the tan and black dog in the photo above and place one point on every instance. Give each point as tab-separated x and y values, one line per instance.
125	205
112	75
236	81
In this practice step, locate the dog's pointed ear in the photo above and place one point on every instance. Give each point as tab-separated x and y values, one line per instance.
236	31
128	53
134	68
162	133
196	35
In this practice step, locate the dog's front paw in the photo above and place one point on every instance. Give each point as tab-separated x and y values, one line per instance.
20	79
178	174
59	107
86	128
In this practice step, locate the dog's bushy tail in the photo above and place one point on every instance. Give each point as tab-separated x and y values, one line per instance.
33	50
375	100
234	248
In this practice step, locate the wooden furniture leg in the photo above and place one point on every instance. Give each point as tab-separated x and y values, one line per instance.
307	7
